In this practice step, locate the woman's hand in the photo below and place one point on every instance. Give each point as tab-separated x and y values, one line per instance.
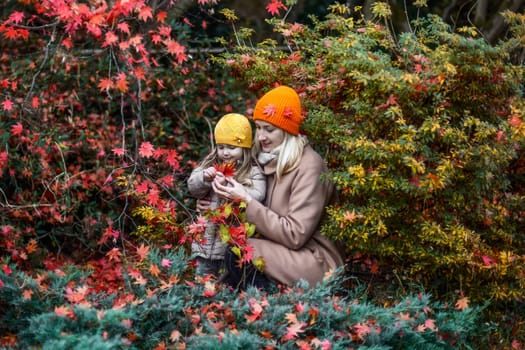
231	190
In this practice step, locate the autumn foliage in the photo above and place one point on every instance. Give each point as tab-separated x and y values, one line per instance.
106	106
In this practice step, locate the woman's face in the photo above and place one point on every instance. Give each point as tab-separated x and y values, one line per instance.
269	136
228	153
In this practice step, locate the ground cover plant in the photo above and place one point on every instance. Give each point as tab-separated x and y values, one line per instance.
106	106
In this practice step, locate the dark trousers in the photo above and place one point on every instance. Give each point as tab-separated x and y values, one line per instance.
244	276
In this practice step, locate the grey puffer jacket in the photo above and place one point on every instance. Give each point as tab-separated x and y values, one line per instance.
212	247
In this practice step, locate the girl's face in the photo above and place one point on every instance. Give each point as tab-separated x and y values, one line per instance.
229	153
269	136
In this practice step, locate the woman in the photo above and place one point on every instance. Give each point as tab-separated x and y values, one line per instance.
290	242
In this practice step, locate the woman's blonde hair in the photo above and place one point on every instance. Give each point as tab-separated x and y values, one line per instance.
289	153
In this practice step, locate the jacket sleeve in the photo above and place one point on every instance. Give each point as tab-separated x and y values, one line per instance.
197	186
258	189
307	198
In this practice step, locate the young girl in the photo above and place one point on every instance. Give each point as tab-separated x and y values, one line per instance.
233	139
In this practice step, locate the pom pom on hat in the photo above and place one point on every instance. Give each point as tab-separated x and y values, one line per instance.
280	107
235	130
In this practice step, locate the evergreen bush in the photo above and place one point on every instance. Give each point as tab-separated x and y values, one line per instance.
162	311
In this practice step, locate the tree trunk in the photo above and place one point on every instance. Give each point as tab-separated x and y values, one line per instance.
481	12
499	25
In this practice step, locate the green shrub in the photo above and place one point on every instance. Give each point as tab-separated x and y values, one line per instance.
423	134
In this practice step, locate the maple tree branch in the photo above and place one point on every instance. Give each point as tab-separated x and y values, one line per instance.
44	26
41	67
12	206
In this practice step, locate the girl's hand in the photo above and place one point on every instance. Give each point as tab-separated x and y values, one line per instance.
203	204
209	173
231	190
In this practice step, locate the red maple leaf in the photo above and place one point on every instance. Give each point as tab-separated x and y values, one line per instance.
153	196
17	129
7	105
11	33
176	49
165	31
247	253
118	151
123	27
146	149
35	102
226	168
274	7
67	43
16	17
156	38
145	12
142	188
172	158
110	39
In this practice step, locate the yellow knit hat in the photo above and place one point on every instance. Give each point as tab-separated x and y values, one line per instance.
235	130
280	107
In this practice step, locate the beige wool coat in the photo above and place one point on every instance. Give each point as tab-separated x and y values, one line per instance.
291	244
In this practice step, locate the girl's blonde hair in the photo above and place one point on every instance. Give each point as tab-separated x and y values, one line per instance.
289	153
243	170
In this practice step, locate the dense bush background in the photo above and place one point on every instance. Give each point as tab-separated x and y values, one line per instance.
105	108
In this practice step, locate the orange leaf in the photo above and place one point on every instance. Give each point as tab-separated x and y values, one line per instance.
143	251
122	83
32	246
105	84
293	330
27	294
63	311
114	254
154	270
462	304
161	16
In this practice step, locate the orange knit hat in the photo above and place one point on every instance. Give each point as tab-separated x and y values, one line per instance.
280	107
235	130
